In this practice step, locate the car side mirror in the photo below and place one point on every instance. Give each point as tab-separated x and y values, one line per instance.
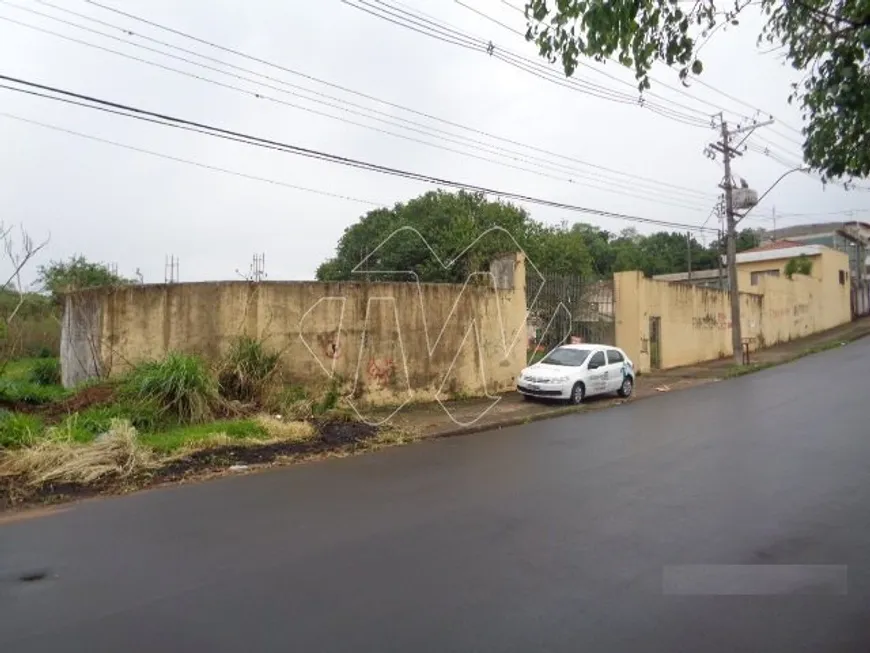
593	366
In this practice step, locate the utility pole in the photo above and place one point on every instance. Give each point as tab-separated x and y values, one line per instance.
689	249
731	226
773	215
728	152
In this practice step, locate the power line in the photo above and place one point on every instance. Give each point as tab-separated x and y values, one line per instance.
489	147
453	36
177	159
617	186
182	123
715	90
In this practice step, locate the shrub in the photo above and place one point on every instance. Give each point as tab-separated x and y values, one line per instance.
18	429
180	386
246	370
799	265
45	371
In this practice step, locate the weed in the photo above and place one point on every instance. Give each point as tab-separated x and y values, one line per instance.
18	429
43	352
45	371
180	386
246	370
281	430
329	400
143	416
25	392
117	454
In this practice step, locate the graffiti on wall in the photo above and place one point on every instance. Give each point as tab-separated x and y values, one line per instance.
718	321
381	370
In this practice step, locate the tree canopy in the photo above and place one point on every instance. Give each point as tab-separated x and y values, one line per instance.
383	244
827	39
59	277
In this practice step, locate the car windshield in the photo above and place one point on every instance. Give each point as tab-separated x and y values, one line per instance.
565	356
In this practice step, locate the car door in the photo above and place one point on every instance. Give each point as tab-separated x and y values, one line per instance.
597	373
615	369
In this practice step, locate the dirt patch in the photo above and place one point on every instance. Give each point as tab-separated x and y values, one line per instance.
96	395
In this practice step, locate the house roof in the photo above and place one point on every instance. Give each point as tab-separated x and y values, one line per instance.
776	244
816	228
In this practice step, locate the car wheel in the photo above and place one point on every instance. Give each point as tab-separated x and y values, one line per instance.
578	393
627	387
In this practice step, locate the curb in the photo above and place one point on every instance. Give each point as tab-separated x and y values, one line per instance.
571	410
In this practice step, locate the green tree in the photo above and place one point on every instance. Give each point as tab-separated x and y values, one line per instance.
829	39
390	240
77	273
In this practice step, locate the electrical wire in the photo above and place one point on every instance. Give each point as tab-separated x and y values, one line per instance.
724	94
440	32
192	125
615	186
177	159
540	160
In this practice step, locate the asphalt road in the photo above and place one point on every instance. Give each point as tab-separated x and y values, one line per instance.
730	517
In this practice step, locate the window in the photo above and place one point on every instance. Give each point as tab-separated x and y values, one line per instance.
843	276
566	356
755	276
614	356
597	359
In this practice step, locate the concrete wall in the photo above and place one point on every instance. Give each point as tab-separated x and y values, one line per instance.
386	341
696	322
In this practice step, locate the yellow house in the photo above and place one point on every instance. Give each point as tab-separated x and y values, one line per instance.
770	260
662	324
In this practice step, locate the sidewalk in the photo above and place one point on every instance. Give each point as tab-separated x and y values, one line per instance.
431	420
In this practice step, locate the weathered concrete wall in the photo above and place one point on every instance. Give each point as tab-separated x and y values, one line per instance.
696	322
386	341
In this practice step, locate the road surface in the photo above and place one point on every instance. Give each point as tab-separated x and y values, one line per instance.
730	517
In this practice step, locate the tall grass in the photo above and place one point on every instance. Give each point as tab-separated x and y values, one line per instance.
45	371
180	385
18	429
246	370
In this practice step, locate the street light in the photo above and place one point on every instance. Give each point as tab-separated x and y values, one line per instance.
765	193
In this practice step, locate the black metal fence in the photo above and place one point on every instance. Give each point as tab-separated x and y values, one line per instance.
569	308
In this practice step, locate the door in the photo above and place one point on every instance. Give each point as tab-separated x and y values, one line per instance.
615	370
655	342
597	374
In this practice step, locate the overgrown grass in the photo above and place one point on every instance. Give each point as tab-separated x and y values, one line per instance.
45	371
30	381
180	385
84	426
186	437
119	454
246	370
18	430
26	392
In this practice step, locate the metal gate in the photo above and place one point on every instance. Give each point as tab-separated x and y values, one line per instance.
860	300
569	308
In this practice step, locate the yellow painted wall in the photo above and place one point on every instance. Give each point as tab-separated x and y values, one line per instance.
696	322
779	264
387	341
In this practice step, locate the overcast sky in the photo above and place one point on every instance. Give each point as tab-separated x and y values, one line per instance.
133	209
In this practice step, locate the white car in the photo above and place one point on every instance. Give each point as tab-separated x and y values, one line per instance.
574	372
